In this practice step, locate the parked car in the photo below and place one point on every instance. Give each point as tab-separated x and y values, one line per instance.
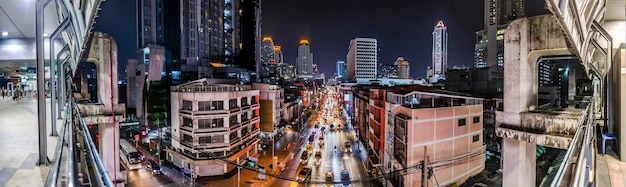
348	147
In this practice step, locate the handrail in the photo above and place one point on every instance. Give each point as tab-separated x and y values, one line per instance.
582	130
93	153
53	175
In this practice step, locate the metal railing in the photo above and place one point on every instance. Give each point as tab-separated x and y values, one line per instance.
77	161
577	165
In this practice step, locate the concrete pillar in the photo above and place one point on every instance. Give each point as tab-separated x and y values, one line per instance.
526	40
110	149
619	74
521	172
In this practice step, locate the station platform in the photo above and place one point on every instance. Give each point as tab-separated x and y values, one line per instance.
19	143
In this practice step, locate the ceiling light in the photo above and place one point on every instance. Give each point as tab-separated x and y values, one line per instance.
5	33
45	34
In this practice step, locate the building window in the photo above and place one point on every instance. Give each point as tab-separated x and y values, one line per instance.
217	105
233	119
187	138
187	105
187	122
211	139
244	101
204	106
232	103
461	122
217	123
476	119
475	138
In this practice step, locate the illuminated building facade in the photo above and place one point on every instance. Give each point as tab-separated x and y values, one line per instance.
304	61
498	14
362	59
440	52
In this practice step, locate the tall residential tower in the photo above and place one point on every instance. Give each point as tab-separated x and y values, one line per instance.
489	48
440	52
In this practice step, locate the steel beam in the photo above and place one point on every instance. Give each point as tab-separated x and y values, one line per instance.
41	105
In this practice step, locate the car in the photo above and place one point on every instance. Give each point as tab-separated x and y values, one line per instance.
153	167
329	177
348	147
304	174
318	157
345	177
311	138
332	127
304	158
321	141
317	126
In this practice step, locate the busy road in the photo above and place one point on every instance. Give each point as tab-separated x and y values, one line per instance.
330	153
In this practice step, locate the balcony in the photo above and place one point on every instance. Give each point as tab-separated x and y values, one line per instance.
547	127
187	143
209	88
375	115
211	130
234	109
205	112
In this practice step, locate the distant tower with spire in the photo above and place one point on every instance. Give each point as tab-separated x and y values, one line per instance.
440	52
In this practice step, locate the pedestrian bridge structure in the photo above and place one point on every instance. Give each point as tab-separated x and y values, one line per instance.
591	31
55	35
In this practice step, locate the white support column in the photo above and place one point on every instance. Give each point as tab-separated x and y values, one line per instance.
109	149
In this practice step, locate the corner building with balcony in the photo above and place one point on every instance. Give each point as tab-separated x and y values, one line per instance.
449	124
212	122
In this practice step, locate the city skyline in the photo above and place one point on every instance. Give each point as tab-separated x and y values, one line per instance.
282	22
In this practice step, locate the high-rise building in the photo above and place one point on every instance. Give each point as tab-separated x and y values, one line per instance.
267	51
362	60
489	48
202	36
150	22
404	70
440	51
278	54
304	62
390	71
315	69
250	32
341	68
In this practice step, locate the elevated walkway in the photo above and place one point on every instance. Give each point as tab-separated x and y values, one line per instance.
19	147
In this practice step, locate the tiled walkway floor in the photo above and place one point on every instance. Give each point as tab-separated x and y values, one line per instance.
19	143
610	171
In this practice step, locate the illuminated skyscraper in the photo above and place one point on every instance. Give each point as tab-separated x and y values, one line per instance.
304	61
440	52
404	70
278	54
489	48
267	51
341	68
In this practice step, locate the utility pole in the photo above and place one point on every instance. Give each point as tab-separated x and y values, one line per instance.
424	169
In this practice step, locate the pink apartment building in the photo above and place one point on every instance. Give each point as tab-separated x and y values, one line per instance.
447	123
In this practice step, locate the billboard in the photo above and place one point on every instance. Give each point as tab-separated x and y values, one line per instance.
266	111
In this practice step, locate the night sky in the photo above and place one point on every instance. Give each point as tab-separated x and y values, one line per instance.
403	28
